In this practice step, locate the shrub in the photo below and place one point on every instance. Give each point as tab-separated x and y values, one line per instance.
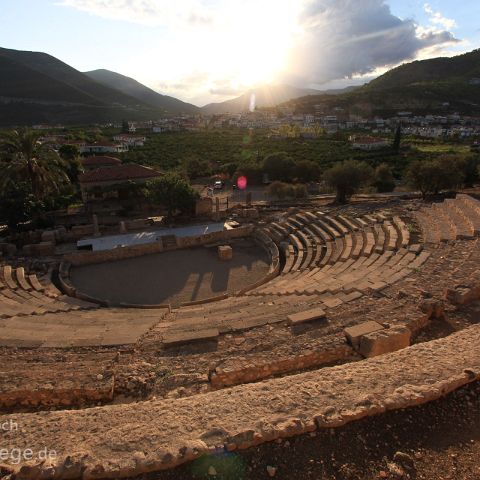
472	169
173	192
251	171
197	168
307	171
431	176
300	191
383	179
347	177
278	189
283	190
279	166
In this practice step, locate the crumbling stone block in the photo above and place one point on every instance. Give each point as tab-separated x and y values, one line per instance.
462	295
48	236
306	316
10	249
355	333
28	249
80	230
203	207
432	309
385	341
45	248
225	252
250	213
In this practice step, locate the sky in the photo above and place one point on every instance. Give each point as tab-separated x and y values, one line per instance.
204	51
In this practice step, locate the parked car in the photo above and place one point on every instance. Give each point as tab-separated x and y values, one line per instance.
218	185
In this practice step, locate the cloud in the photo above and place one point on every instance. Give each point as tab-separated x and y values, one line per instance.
226	91
436	18
147	12
345	38
235	44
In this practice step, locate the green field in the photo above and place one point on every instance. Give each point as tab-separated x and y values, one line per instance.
443	148
219	147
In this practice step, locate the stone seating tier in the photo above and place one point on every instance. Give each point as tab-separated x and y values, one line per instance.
331	256
453	219
22	294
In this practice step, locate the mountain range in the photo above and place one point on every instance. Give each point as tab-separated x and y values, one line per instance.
265	96
436	85
147	96
38	88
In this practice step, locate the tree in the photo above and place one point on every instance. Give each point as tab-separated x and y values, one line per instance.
307	171
398	138
383	179
451	172
69	152
173	192
196	168
25	159
228	168
71	156
279	166
421	175
472	165
431	176
125	126
251	171
18	205
347	177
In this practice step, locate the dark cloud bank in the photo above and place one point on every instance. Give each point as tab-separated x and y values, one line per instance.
347	37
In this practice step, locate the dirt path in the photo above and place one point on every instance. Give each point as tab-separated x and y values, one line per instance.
441	441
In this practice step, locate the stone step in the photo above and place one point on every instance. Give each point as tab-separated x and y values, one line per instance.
174	339
463	228
306	316
404	233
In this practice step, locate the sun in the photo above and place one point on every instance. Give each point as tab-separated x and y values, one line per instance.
248	44
262	42
251	47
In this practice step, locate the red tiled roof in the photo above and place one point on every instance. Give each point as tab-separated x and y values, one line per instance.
99	160
119	173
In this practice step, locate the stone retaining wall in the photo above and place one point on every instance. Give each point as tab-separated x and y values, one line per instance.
61	396
272	249
336	351
48	382
120	253
118	441
216	298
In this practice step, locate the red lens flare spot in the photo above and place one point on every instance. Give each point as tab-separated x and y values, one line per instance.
242	183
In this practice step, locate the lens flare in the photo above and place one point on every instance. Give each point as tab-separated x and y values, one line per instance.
242	183
253	102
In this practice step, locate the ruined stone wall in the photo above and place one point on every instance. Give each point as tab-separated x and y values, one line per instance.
334	351
120	253
76	381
